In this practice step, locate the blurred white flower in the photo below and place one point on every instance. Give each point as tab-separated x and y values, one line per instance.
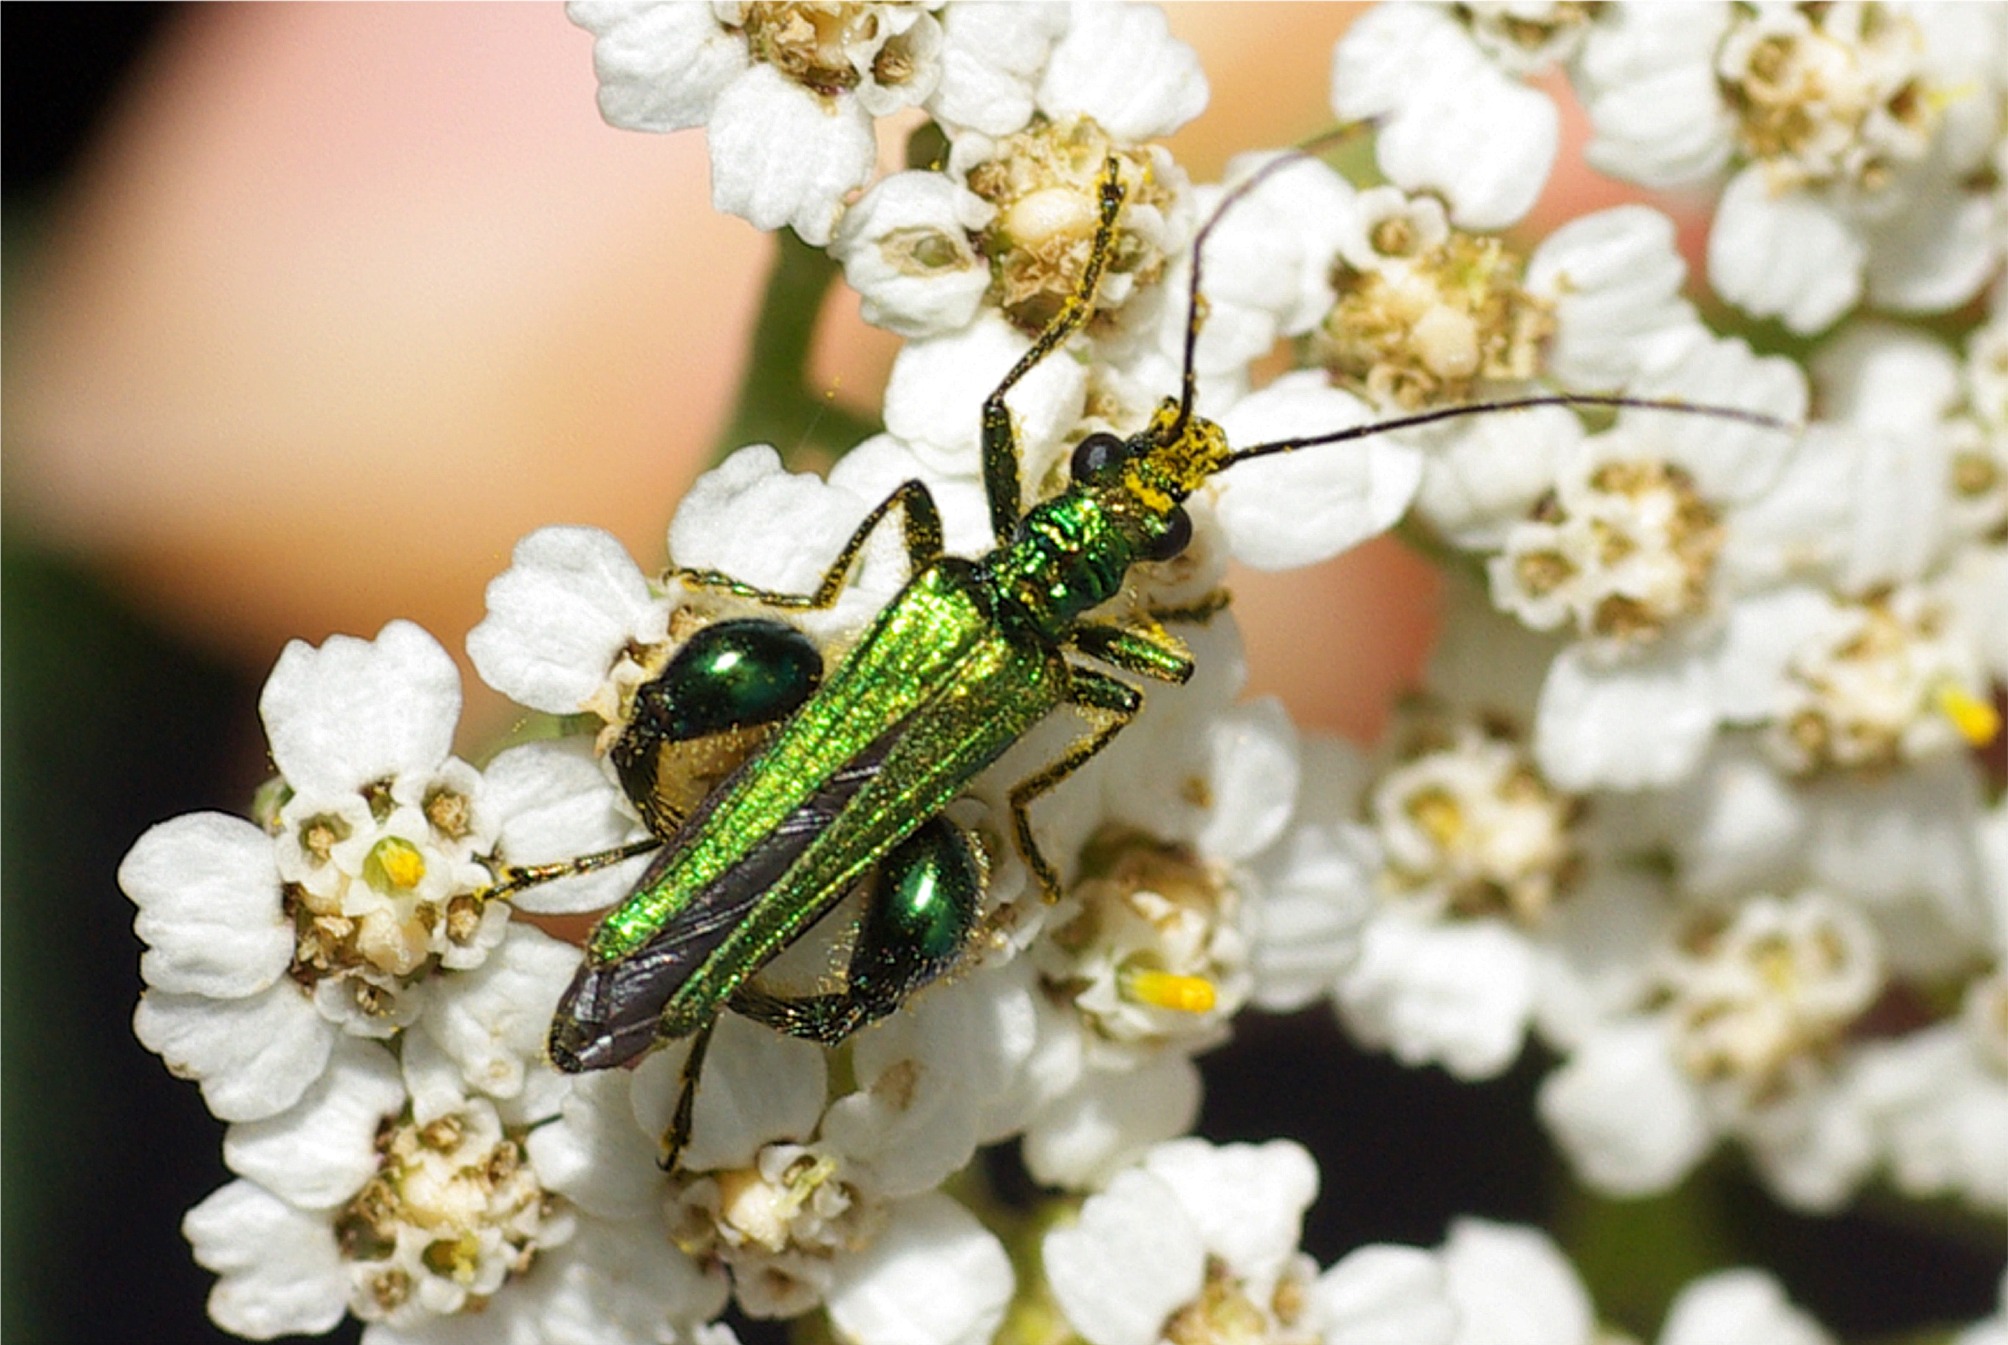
1851	131
1737	1034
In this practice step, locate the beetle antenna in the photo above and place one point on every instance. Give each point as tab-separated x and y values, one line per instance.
1303	150
1757	418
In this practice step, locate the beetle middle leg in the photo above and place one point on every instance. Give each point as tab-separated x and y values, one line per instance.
1146	651
517	877
924	902
920	529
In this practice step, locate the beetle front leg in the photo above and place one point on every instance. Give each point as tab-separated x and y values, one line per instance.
1002	467
920	529
1146	650
924	902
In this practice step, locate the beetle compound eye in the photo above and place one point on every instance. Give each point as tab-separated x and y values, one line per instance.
1177	535
1094	453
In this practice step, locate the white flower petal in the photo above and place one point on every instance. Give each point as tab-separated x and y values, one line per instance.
282	1273
1936	255
357	711
1736	822
1884	377
1513	1286
934	397
1451	122
924	1078
660	66
555	804
1731	462
1629	1121
1588	962
1904	835
1110	1118
1761	634
1299	507
1642	720
1385	1295
1489	475
882	463
319	1152
1120	65
596	1154
1459	994
1614	277
1790	257
905	247
1861	507
569	603
1317	886
209	909
934	1277
1252	748
1812	1149
1246	1201
758	522
1648	82
991	56
1131	1261
1737	1307
254	1057
612	1284
758	1087
492	1021
780	155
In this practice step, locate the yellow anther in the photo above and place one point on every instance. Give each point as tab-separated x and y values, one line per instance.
394	865
1976	720
1169	990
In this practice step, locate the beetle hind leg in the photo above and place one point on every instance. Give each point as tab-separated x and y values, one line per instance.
924	904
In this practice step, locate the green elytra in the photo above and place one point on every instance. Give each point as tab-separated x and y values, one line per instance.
854	768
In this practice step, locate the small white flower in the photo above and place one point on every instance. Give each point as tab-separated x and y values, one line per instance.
1189	1240
992	57
788	92
1182	887
265	946
906	250
1940	1099
1855	127
1513	1283
1734	1036
349	1202
1120	65
1738	1307
793	1201
1641	549
562	618
1451	121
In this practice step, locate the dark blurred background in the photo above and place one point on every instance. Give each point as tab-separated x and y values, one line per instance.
112	722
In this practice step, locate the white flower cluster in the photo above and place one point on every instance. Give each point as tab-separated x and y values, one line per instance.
1691	792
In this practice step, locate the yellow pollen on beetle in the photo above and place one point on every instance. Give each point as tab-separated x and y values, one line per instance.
1169	990
1155	500
1977	721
